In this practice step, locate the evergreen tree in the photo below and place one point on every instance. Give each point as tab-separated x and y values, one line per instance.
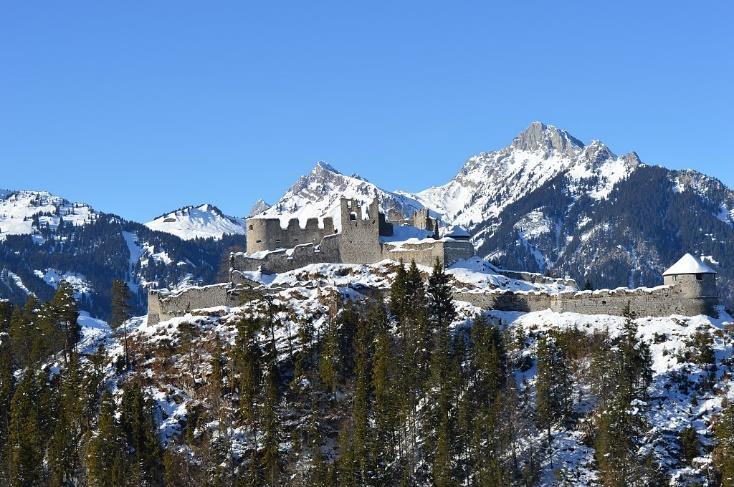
553	385
138	425
64	457
271	460
120	312
25	446
361	403
624	372
120	303
7	387
105	459
385	401
65	314
724	451
689	444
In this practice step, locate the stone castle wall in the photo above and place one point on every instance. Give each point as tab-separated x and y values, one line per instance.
267	233
163	307
659	301
287	260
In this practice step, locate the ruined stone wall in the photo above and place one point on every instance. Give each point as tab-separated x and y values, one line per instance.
287	260
425	253
536	278
659	301
162	306
267	234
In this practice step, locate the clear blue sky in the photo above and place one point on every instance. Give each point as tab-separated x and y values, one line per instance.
142	107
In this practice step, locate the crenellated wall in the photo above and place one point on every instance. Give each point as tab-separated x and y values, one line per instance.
267	233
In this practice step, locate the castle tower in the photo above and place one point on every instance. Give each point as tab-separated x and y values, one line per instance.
696	278
696	282
360	232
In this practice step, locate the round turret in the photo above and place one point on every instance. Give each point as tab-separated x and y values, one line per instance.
695	279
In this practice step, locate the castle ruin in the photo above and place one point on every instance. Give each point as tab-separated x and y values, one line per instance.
366	236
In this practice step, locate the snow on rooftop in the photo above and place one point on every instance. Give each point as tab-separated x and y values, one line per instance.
688	264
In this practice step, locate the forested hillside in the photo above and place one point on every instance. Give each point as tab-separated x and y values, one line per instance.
319	386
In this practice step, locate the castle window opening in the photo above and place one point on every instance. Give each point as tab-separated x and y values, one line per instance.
352	216
699	277
251	227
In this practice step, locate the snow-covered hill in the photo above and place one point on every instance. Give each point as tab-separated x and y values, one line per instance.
317	195
203	221
26	212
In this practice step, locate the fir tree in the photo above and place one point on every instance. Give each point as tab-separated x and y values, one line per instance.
624	373
25	445
65	316
724	451
64	457
553	387
120	312
138	426
105	459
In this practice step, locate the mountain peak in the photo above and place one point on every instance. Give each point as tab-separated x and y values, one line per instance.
202	221
322	166
539	136
259	206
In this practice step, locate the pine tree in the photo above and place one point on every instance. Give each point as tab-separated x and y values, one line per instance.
7	387
138	426
724	451
64	457
120	312
385	403
272	463
65	315
25	445
105	459
553	387
361	402
271	460
120	303
624	371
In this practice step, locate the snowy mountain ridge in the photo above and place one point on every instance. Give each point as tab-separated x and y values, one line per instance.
203	221
318	193
25	212
491	181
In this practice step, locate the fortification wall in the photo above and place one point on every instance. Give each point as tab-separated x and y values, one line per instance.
267	233
659	301
536	278
163	307
287	260
425	253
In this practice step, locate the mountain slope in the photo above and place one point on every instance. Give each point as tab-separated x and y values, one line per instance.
45	239
203	221
491	181
548	203
317	195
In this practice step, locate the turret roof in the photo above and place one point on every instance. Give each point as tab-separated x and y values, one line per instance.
688	264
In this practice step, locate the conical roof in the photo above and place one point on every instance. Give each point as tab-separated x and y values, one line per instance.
689	264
